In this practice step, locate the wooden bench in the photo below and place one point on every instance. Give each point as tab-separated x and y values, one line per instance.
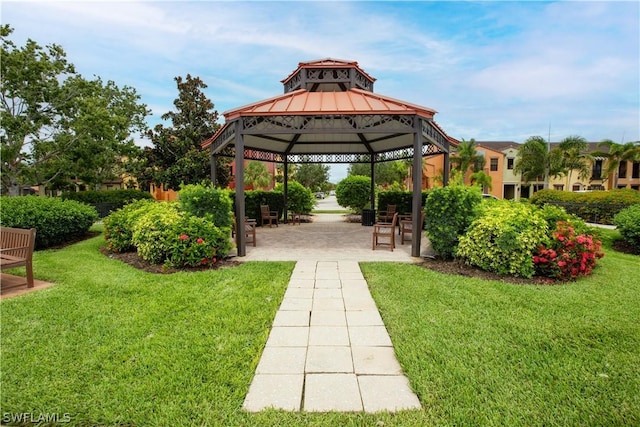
16	250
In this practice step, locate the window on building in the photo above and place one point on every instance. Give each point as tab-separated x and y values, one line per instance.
510	162
622	170
494	164
558	187
635	170
576	187
635	187
596	171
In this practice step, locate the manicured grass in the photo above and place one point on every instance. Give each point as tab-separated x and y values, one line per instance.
489	353
111	345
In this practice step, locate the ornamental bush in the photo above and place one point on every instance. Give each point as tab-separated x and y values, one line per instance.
206	201
354	192
193	241
449	211
628	222
568	255
118	226
151	231
504	238
300	199
56	221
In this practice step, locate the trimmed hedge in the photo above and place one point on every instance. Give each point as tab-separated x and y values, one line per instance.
449	212
354	192
300	199
402	199
254	198
107	201
597	206
207	202
56	221
628	223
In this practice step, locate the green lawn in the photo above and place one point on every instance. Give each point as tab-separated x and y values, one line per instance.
111	345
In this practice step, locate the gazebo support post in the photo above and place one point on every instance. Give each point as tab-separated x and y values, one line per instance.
240	236
213	168
286	188
416	206
445	172
373	183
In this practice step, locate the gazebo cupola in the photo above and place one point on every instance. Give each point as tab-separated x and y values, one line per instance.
328	75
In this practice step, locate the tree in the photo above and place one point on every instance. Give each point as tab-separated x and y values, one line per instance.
176	157
481	179
574	157
257	175
386	173
467	156
535	160
312	175
617	153
354	192
56	125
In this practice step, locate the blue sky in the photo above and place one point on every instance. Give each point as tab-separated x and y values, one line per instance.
500	71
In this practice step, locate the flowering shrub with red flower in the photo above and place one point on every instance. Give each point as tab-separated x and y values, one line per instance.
196	242
569	255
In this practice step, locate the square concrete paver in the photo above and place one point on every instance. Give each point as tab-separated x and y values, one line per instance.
348	266
331	304
351	275
359	303
355	283
332	392
303	275
288	336
328	284
327	293
296	304
282	360
327	274
299	292
274	391
364	318
328	335
328	318
291	318
302	283
387	393
328	360
369	336
375	361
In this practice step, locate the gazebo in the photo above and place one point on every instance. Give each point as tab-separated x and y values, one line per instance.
329	114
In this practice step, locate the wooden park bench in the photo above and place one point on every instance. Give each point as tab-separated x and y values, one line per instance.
16	250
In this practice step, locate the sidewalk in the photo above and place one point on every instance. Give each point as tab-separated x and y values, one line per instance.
328	349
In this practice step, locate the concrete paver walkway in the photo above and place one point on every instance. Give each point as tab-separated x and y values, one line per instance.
328	349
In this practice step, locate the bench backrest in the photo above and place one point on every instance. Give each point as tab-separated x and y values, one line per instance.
17	242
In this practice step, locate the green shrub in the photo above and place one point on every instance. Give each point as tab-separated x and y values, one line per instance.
300	199
107	201
596	206
402	199
628	223
254	198
568	255
193	241
151	235
449	211
354	192
56	221
207	202
504	239
118	226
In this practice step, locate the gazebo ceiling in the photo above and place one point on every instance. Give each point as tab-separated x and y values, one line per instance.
317	125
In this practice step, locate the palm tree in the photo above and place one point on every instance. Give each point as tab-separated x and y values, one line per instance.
467	156
616	154
574	157
257	175
482	180
534	160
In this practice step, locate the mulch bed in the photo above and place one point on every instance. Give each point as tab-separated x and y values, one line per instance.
134	260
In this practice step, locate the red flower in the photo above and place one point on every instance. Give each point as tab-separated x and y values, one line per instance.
183	237
200	240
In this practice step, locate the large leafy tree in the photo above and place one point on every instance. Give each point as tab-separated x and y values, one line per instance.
257	175
467	157
535	160
386	173
573	152
176	157
56	125
312	175
615	154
